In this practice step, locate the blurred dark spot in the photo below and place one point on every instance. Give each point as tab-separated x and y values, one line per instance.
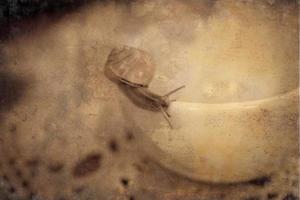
11	90
88	165
12	162
131	197
18	173
13	128
113	145
11	189
55	167
5	177
129	136
290	196
124	182
25	184
78	190
138	167
272	195
295	183
146	160
260	181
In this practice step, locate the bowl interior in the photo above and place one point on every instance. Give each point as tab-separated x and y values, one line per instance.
231	57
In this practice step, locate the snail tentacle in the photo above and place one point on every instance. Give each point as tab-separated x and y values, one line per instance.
165	114
173	91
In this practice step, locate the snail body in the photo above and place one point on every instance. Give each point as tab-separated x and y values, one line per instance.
150	97
135	69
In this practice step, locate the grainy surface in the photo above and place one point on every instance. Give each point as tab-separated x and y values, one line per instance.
67	131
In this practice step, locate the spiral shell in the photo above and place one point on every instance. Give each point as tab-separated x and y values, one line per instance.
131	65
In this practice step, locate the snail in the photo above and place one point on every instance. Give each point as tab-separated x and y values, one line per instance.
135	69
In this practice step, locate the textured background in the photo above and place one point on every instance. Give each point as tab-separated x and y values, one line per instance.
64	131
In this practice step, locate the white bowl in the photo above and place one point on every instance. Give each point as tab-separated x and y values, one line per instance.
229	142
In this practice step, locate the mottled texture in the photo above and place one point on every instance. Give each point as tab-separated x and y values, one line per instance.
58	108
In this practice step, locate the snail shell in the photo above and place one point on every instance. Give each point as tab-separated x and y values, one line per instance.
131	65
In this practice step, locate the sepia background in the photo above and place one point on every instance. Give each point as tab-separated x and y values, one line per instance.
68	132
